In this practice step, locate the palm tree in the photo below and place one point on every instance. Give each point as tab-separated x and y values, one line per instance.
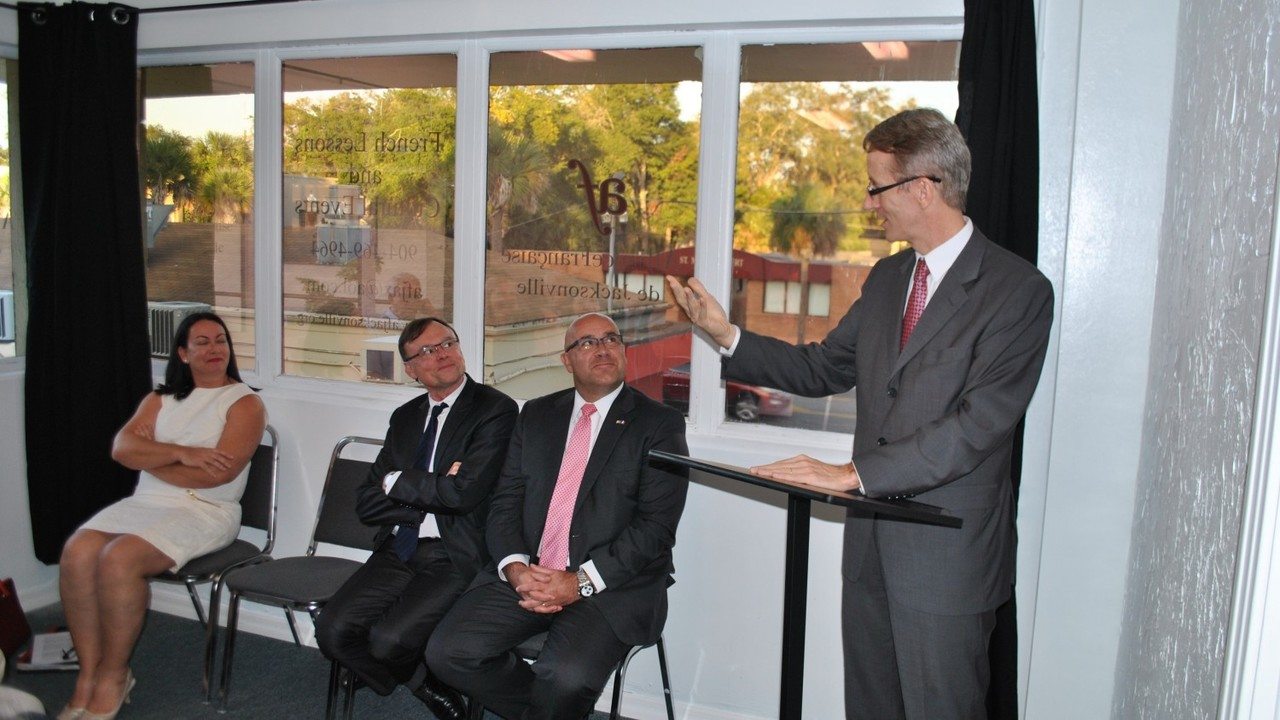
519	174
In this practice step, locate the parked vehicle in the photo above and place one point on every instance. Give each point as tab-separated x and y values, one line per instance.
742	401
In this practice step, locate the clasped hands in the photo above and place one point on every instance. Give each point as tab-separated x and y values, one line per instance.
542	590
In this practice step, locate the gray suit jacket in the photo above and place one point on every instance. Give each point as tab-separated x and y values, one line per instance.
935	421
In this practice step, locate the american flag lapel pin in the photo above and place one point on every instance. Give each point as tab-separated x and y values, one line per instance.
620	422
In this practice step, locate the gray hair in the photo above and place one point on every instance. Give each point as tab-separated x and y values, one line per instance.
924	142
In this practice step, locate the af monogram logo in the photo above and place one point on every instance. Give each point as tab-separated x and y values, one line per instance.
611	200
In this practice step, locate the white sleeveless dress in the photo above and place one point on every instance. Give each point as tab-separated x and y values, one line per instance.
181	523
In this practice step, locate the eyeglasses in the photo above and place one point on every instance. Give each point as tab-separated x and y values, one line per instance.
429	350
873	191
587	343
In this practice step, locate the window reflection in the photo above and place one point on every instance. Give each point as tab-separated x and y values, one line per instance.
803	246
592	190
367	209
197	174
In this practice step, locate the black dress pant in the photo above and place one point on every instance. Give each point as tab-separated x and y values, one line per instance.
472	650
378	623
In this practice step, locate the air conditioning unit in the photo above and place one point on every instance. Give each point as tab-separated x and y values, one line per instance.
380	360
163	319
7	323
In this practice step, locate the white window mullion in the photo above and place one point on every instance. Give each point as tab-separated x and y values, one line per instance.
470	196
713	254
267	142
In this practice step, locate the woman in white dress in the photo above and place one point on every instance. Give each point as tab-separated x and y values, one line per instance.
192	440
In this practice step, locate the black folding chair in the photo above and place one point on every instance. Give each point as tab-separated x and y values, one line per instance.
308	581
258	511
531	648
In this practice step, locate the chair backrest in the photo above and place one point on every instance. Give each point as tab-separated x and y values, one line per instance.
336	519
258	503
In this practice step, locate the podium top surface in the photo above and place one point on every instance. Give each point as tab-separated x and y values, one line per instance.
904	509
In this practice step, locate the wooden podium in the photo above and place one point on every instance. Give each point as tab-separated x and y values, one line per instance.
795	585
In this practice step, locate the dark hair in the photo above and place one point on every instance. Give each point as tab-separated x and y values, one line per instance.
924	142
178	381
416	328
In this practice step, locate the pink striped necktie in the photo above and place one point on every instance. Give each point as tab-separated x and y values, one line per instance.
554	552
915	304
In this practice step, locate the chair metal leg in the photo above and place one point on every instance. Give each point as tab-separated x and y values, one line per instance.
619	679
228	650
195	600
349	697
293	626
332	699
211	639
666	679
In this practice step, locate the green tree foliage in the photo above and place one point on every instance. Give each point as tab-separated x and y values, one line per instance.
640	134
223	177
167	166
799	151
398	146
807	222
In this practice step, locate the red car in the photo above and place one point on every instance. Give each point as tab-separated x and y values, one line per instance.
742	401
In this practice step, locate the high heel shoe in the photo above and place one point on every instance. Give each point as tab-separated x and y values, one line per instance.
129	682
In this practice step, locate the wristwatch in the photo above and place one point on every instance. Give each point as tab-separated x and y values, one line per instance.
585	588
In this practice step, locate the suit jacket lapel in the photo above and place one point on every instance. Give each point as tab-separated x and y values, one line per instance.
950	295
457	415
548	441
409	434
615	424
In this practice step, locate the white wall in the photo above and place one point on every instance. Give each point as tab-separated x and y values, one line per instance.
1107	74
1106	93
37	583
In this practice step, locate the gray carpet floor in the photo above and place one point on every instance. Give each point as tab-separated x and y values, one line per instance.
271	679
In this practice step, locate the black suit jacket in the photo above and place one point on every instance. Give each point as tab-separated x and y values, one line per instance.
475	433
935	420
627	508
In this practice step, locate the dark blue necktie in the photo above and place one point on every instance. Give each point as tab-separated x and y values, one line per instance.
405	542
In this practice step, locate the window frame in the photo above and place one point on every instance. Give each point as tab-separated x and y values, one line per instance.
17	363
721	58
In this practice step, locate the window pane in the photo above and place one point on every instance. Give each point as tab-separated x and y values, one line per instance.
819	300
197	174
592	191
9	326
368	209
803	111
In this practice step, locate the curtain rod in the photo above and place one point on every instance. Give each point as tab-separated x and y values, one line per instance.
202	6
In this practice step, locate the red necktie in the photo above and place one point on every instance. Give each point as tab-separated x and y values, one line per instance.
915	304
554	552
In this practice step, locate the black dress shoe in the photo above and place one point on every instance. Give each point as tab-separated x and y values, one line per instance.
443	701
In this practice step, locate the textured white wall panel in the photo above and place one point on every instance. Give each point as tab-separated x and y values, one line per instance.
1210	292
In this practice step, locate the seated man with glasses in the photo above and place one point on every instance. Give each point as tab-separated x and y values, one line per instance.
581	526
429	491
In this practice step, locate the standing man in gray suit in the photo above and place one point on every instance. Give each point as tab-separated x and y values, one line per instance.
945	347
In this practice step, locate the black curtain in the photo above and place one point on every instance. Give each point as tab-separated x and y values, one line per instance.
87	354
999	116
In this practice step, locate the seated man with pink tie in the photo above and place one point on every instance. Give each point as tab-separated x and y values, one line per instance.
581	526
